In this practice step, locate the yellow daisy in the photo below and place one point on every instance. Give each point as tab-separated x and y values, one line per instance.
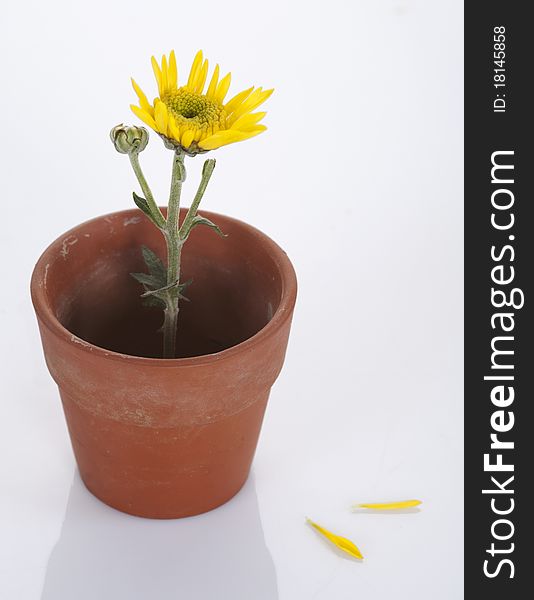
187	117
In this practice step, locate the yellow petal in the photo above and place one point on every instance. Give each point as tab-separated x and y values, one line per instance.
213	129
212	142
194	70
213	83
209	131
254	128
248	119
187	138
237	100
222	88
222	138
161	117
201	79
173	128
173	71
144	116
143	101
253	101
164	74
157	73
390	505
341	542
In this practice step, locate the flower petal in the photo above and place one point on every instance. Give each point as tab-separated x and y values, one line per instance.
173	71
143	100
222	138
197	62
144	116
255	128
161	117
248	119
164	73
157	73
213	83
237	100
341	542
390	505
173	129
253	101
187	138
222	88
201	79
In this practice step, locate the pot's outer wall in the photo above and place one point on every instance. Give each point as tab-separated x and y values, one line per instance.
162	438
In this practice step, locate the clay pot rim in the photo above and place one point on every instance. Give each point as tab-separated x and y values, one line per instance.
281	315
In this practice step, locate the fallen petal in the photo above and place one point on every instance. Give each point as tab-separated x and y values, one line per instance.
341	542
390	505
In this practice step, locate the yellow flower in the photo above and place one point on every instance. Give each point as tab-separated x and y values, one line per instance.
195	120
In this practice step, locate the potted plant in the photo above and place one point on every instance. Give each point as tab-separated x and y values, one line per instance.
165	328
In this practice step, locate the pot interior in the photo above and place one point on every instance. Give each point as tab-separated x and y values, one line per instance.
236	286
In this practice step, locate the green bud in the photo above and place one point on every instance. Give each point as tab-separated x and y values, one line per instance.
208	167
129	139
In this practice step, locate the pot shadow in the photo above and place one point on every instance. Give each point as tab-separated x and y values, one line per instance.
104	554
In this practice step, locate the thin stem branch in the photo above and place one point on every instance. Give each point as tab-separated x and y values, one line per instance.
154	208
207	171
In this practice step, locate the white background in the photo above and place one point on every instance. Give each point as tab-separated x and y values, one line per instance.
359	178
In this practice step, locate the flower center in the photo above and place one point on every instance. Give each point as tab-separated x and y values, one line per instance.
194	110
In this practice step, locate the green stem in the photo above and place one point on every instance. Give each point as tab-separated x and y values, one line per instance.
169	331
154	208
207	171
174	249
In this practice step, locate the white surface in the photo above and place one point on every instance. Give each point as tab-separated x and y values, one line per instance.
359	178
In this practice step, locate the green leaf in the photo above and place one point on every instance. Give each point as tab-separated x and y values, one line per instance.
182	287
157	292
149	283
152	302
198	220
142	204
155	279
147	280
155	266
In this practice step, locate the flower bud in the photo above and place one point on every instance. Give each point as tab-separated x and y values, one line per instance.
129	139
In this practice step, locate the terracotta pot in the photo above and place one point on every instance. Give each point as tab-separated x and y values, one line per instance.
163	438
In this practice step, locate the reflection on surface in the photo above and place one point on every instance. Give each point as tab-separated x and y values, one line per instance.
103	554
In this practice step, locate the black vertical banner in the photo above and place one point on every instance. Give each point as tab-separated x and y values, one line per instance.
499	271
